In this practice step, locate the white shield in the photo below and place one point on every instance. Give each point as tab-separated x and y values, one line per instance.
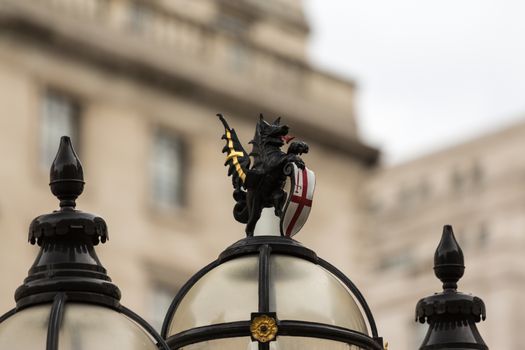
299	202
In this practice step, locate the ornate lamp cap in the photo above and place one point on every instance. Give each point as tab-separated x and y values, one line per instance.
67	261
449	305
67	183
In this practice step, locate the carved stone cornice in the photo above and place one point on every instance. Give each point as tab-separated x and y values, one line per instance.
124	55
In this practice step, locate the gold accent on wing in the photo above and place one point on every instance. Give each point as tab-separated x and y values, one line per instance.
264	328
233	155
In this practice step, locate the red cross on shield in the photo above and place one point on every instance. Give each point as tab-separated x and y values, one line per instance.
299	202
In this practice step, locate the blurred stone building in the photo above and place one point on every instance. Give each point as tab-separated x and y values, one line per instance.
137	84
479	188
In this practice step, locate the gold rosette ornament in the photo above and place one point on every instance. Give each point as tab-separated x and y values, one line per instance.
263	328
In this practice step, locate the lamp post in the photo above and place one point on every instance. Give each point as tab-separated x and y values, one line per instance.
451	315
268	291
67	301
265	292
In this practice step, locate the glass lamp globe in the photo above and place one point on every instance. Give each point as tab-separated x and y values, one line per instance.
83	326
270	292
68	301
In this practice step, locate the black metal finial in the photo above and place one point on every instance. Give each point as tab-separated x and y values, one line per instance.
67	262
451	315
449	264
67	183
66	175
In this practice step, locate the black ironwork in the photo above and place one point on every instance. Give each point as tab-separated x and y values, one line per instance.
161	343
264	278
264	346
67	260
279	245
260	185
182	293
330	332
451	315
67	183
67	268
286	328
357	294
55	318
264	247
7	315
211	332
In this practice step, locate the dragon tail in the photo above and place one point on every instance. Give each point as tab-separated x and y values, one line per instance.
240	210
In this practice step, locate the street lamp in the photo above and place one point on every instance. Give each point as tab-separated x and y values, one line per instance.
67	300
268	291
451	315
265	292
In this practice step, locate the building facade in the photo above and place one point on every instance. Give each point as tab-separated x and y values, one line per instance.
478	188
137	84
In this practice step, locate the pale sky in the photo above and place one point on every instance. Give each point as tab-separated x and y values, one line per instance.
430	73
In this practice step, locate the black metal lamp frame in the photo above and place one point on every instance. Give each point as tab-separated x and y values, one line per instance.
67	268
264	246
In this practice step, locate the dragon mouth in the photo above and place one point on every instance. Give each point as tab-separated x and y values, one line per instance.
287	138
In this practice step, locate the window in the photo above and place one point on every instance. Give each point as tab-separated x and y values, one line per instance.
373	205
477	173
424	189
232	22
396	260
405	195
168	170
140	17
457	180
59	117
483	235
238	57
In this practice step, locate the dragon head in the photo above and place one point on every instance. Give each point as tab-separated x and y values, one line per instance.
271	134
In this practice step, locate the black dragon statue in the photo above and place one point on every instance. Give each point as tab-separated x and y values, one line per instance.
261	184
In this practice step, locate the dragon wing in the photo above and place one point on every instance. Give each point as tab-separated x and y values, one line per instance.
237	159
